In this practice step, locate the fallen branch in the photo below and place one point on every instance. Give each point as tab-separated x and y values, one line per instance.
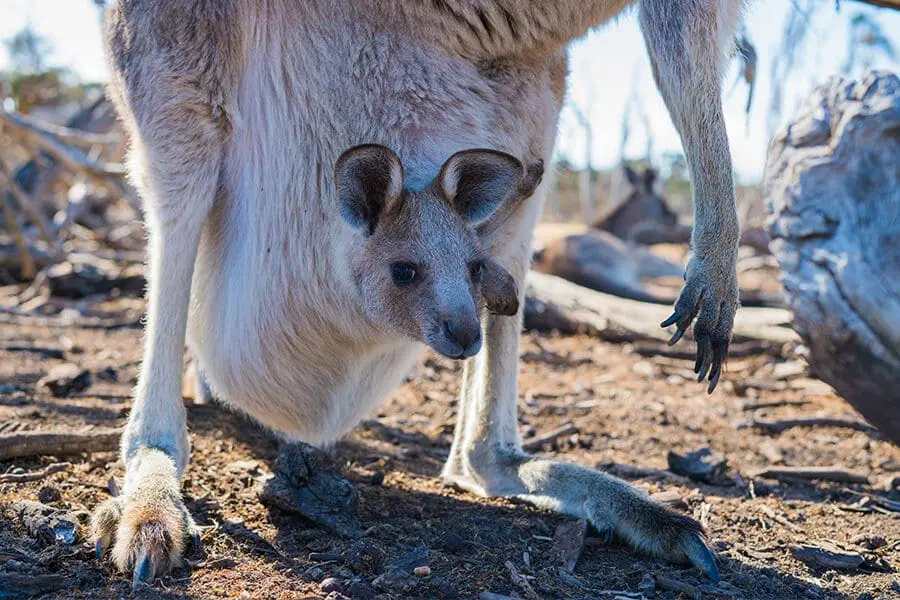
537	442
772	404
57	443
673	585
784	424
35	475
812	473
521	582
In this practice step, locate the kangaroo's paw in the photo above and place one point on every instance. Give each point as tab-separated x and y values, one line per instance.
306	483
148	526
710	295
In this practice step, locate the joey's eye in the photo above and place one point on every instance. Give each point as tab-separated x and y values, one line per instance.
476	270
403	273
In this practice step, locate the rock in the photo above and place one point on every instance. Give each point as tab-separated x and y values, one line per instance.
331	584
48	494
360	590
396	580
66	379
832	190
46	524
700	465
408	562
422	571
365	558
306	484
314	574
870	542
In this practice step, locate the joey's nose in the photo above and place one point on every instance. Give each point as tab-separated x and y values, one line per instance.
466	333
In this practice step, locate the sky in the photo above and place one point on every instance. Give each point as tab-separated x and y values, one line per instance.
609	69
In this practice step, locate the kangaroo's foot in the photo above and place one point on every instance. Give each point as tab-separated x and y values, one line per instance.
148	526
612	506
307	484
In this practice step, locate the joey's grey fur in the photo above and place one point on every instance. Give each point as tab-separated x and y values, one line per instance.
237	109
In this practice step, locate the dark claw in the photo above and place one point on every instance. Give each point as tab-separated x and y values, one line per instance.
702	558
704	368
198	543
678	333
671	320
141	570
714	378
98	548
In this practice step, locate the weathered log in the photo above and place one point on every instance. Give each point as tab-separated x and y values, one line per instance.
57	443
554	303
600	261
833	193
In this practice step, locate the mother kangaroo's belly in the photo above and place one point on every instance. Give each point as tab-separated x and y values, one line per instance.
277	326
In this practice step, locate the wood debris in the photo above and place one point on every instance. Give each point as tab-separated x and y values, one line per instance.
34	475
812	473
57	443
538	441
781	425
568	542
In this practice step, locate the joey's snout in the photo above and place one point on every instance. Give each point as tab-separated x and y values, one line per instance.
462	332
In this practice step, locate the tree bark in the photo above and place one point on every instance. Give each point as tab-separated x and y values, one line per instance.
833	192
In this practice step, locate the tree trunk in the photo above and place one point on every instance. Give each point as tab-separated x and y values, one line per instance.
833	192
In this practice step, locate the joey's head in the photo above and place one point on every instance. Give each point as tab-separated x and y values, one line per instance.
419	265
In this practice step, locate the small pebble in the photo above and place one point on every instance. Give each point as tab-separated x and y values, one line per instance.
48	494
331	584
314	574
422	571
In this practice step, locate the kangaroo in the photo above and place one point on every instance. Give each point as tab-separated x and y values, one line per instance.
236	110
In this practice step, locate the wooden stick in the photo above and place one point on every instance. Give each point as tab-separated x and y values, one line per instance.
811	473
772	404
57	443
673	585
784	424
35	475
537	442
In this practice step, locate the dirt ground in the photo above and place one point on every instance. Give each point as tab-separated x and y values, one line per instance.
626	409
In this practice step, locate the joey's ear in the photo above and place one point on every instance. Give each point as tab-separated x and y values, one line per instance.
369	179
476	182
